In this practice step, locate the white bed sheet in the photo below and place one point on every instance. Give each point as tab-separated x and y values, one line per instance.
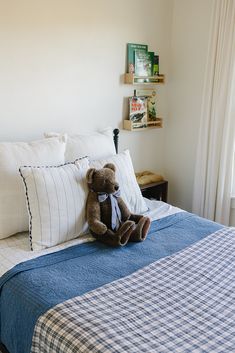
16	249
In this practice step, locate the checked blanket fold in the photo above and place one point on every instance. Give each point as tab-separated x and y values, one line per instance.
181	303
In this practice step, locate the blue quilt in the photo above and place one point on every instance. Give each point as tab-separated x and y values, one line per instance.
31	288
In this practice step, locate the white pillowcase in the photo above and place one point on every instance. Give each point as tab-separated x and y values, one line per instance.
13	210
56	199
95	145
130	191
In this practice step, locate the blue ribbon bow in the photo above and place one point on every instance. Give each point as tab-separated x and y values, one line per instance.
115	210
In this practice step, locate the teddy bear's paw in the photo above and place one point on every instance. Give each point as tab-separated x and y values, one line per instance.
141	230
125	231
125	237
98	228
145	229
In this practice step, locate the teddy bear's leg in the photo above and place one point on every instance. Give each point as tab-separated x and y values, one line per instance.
125	231
141	230
120	238
108	237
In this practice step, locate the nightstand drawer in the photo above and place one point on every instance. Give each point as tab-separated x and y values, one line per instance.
157	191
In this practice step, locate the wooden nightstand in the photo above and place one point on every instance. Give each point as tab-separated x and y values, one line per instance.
157	191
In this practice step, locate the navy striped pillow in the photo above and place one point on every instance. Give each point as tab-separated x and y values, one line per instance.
56	198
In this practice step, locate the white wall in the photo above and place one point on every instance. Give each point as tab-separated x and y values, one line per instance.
190	37
61	63
61	67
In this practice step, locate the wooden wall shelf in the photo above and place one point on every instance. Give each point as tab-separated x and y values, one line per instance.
132	126
144	80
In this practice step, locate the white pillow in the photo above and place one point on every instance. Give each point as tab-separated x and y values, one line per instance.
95	145
130	191
13	210
56	198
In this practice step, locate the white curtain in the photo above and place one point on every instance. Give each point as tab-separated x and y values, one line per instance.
214	166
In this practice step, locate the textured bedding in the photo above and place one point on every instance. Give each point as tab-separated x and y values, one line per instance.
33	287
182	303
16	249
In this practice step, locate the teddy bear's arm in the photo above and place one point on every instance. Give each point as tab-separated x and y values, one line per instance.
93	215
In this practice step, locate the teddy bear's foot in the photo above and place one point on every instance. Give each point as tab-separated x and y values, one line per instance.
141	230
120	238
125	231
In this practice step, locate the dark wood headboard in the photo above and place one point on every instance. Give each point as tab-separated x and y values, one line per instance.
115	138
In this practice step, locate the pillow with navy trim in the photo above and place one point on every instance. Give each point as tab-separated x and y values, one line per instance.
13	210
125	175
56	198
94	145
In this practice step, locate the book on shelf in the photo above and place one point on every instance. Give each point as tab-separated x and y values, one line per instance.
131	47
156	65
151	59
143	62
152	106
138	109
151	96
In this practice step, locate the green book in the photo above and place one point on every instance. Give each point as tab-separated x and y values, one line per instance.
152	106
156	65
131	47
151	59
143	63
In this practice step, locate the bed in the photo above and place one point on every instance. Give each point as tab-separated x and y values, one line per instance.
174	292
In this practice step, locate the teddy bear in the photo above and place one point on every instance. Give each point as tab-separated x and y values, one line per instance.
109	219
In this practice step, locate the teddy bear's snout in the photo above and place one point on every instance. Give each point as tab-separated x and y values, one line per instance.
111	186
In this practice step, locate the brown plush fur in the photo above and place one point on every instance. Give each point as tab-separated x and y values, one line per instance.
132	227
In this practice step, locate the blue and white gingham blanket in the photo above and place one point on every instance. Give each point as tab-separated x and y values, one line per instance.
181	303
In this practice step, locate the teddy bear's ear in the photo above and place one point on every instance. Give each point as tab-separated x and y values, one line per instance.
89	175
110	166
